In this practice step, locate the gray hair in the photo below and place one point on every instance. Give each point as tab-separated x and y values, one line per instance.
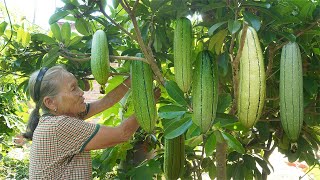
49	87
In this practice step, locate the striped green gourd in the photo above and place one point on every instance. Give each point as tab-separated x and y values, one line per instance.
100	63
291	90
143	95
182	53
204	91
174	157
252	80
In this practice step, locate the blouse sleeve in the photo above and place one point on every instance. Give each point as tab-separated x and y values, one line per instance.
74	134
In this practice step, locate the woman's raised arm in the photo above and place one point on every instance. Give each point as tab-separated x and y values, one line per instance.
109	99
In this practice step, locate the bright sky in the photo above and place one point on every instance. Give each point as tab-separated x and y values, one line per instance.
38	10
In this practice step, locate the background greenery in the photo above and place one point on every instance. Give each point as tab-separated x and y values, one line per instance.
147	26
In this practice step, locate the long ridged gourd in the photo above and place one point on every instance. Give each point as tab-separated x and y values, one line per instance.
291	90
182	53
205	91
174	157
143	95
100	63
252	80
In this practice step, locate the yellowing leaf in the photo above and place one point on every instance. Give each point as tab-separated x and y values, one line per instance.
217	40
26	38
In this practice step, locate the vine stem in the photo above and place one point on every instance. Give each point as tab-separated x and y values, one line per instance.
4	72
145	49
235	68
298	34
201	159
11	27
130	58
112	74
270	61
273	48
114	22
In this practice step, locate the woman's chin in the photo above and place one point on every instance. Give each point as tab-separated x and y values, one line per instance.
83	105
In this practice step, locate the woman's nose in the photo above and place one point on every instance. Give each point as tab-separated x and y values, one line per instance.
80	91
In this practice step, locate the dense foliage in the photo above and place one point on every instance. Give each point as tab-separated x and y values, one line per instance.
147	27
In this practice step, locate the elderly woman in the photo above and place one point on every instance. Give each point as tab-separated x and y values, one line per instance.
61	139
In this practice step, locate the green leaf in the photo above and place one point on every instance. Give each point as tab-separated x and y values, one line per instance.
20	33
157	43
83	26
141	10
75	40
194	141
316	51
311	119
3	27
43	38
210	145
249	161
230	170
123	149
263	164
273	14
146	2
175	92
238	173
225	119
214	5
257	4
58	15
224	103
26	38
248	174
155	5
105	153
215	27
253	20
212	171
257	174
177	128
268	37
144	31
115	4
233	142
55	29
223	66
233	26
193	130
291	37
110	161
216	41
51	57
310	85
66	32
263	129
306	11
146	170
171	111
113	83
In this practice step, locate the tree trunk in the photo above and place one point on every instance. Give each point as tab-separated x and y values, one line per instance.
221	160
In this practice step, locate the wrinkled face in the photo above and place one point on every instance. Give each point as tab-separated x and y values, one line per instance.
70	99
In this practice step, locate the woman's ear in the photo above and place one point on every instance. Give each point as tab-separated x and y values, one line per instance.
49	103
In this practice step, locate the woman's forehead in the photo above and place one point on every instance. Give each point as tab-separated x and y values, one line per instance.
68	78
